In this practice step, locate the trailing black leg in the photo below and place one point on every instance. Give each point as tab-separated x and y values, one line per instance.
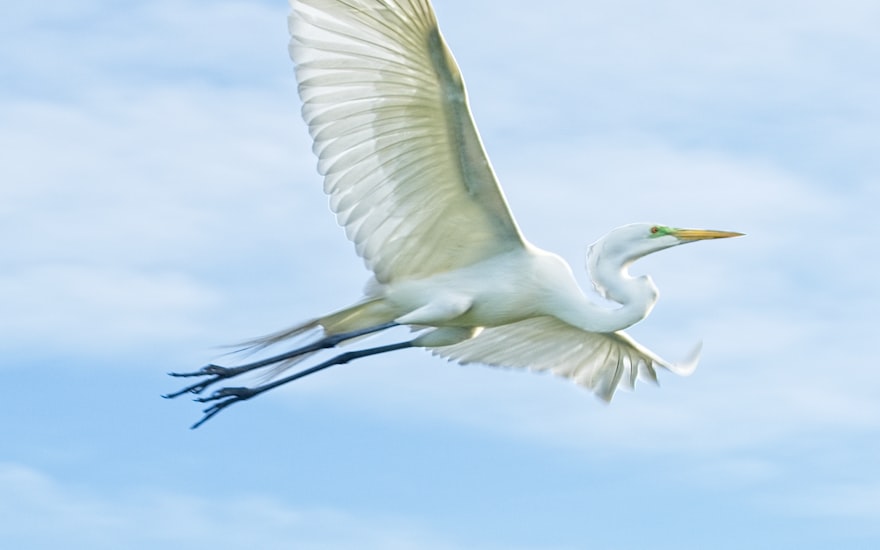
227	396
217	373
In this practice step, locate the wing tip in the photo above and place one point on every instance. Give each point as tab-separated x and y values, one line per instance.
689	365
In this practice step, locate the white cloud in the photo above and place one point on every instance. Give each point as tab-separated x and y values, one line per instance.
69	51
131	202
132	209
646	178
99	309
163	193
850	501
38	511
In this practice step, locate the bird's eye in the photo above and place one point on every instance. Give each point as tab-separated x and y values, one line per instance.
655	229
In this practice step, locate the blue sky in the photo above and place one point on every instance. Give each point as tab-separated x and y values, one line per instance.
158	199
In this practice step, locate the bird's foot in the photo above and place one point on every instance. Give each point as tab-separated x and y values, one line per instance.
215	372
224	398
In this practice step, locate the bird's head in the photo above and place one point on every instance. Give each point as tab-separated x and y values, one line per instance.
627	244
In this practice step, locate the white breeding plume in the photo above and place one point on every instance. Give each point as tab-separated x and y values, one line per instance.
411	184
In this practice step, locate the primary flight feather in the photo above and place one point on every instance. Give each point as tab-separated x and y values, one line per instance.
402	161
409	180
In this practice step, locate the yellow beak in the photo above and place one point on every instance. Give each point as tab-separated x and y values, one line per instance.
701	234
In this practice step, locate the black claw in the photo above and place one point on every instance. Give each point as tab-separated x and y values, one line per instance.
205	418
237	394
216	373
206	371
217	370
231	395
196	388
224	397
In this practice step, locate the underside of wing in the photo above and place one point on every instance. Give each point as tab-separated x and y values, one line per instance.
597	361
402	161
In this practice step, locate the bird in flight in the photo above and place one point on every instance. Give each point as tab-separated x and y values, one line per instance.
410	182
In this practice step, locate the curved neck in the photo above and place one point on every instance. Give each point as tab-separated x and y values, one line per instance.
609	272
611	279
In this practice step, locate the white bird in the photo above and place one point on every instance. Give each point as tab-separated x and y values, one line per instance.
410	182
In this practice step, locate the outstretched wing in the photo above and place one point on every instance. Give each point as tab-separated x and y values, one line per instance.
402	160
598	361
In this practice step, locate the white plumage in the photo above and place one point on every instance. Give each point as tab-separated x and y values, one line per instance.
410	182
401	158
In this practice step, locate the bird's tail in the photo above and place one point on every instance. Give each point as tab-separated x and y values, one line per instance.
368	313
371	312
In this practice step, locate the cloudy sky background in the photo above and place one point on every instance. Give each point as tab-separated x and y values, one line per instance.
158	199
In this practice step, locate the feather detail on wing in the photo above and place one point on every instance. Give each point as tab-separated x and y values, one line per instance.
595	360
402	160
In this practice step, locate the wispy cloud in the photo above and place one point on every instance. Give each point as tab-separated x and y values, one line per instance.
846	500
81	517
159	190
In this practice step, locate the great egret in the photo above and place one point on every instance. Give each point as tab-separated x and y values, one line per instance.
409	181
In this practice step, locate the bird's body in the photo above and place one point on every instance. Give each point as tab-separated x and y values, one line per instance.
503	289
411	184
499	290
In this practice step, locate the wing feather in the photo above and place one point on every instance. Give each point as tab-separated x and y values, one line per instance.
402	160
597	361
